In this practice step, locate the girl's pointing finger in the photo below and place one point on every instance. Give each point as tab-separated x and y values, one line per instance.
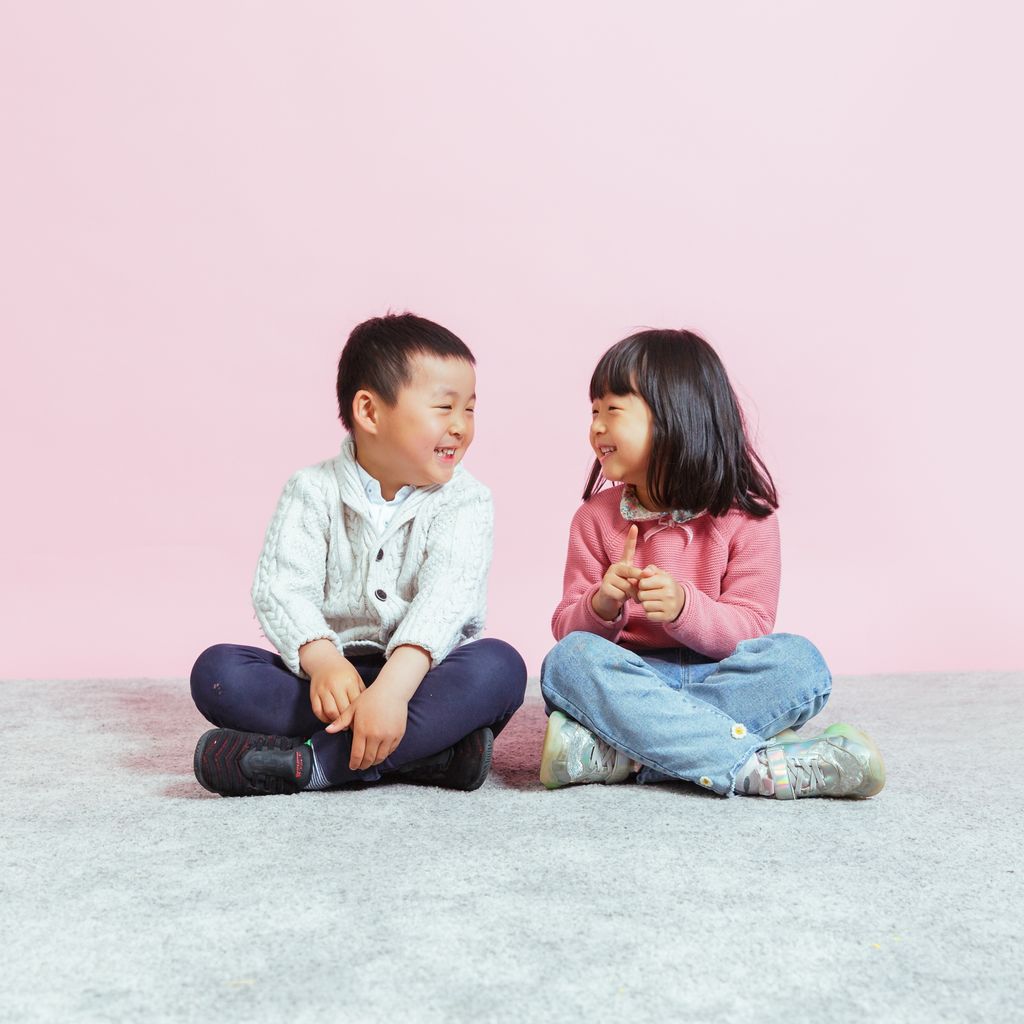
629	548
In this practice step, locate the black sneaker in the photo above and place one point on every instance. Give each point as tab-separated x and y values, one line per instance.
235	763
464	766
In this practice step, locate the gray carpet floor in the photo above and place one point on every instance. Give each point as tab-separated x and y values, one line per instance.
130	894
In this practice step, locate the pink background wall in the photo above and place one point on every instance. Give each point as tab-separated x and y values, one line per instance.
199	200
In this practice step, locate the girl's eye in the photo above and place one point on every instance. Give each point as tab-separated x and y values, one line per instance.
442	406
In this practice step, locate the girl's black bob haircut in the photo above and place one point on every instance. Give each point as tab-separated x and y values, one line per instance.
379	352
700	456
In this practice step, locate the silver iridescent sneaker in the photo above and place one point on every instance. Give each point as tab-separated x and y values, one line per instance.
841	762
574	754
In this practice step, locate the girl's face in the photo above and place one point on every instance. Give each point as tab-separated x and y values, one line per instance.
620	434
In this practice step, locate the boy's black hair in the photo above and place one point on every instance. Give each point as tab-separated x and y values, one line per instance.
700	456
378	354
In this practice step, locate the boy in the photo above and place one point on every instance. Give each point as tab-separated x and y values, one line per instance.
372	586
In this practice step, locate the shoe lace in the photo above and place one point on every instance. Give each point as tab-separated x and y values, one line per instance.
806	774
602	755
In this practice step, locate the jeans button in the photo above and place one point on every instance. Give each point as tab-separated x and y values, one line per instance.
380	595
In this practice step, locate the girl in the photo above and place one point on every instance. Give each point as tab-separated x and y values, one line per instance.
666	663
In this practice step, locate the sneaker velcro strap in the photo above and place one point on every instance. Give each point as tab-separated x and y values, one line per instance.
784	790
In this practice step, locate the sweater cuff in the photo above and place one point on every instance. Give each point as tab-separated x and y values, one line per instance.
437	652
595	624
679	626
291	656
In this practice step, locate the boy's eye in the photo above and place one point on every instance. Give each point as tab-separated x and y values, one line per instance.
442	406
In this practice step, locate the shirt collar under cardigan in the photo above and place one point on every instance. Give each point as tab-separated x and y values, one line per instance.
372	487
354	493
632	511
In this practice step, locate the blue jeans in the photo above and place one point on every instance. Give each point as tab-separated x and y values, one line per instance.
680	714
248	688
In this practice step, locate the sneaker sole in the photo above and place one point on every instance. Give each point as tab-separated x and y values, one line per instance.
485	763
876	766
197	760
547	776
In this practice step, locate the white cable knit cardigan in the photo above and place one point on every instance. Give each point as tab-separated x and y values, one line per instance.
325	572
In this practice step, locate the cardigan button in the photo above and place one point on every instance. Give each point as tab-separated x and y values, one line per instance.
380	595
380	554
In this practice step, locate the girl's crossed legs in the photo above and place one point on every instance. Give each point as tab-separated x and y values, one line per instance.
681	715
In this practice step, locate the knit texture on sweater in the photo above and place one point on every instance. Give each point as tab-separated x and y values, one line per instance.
325	572
728	566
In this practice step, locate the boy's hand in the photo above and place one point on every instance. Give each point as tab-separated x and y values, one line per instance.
619	583
662	598
332	688
378	719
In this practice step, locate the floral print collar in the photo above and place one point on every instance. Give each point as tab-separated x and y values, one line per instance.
633	511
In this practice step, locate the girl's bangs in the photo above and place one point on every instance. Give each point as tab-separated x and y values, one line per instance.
616	373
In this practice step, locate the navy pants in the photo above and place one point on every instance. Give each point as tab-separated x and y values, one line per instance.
479	683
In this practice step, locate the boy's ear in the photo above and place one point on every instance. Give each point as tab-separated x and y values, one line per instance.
366	411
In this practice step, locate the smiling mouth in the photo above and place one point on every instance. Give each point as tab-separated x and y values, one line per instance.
446	453
604	450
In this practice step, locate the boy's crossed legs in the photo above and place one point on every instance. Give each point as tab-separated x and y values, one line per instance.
479	686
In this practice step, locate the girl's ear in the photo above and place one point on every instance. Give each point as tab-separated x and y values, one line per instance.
366	411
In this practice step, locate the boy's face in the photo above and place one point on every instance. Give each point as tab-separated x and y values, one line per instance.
424	436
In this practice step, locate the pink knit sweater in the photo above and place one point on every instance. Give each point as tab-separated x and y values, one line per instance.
728	566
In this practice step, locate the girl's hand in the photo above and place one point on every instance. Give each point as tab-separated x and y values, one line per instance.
662	598
332	689
619	583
